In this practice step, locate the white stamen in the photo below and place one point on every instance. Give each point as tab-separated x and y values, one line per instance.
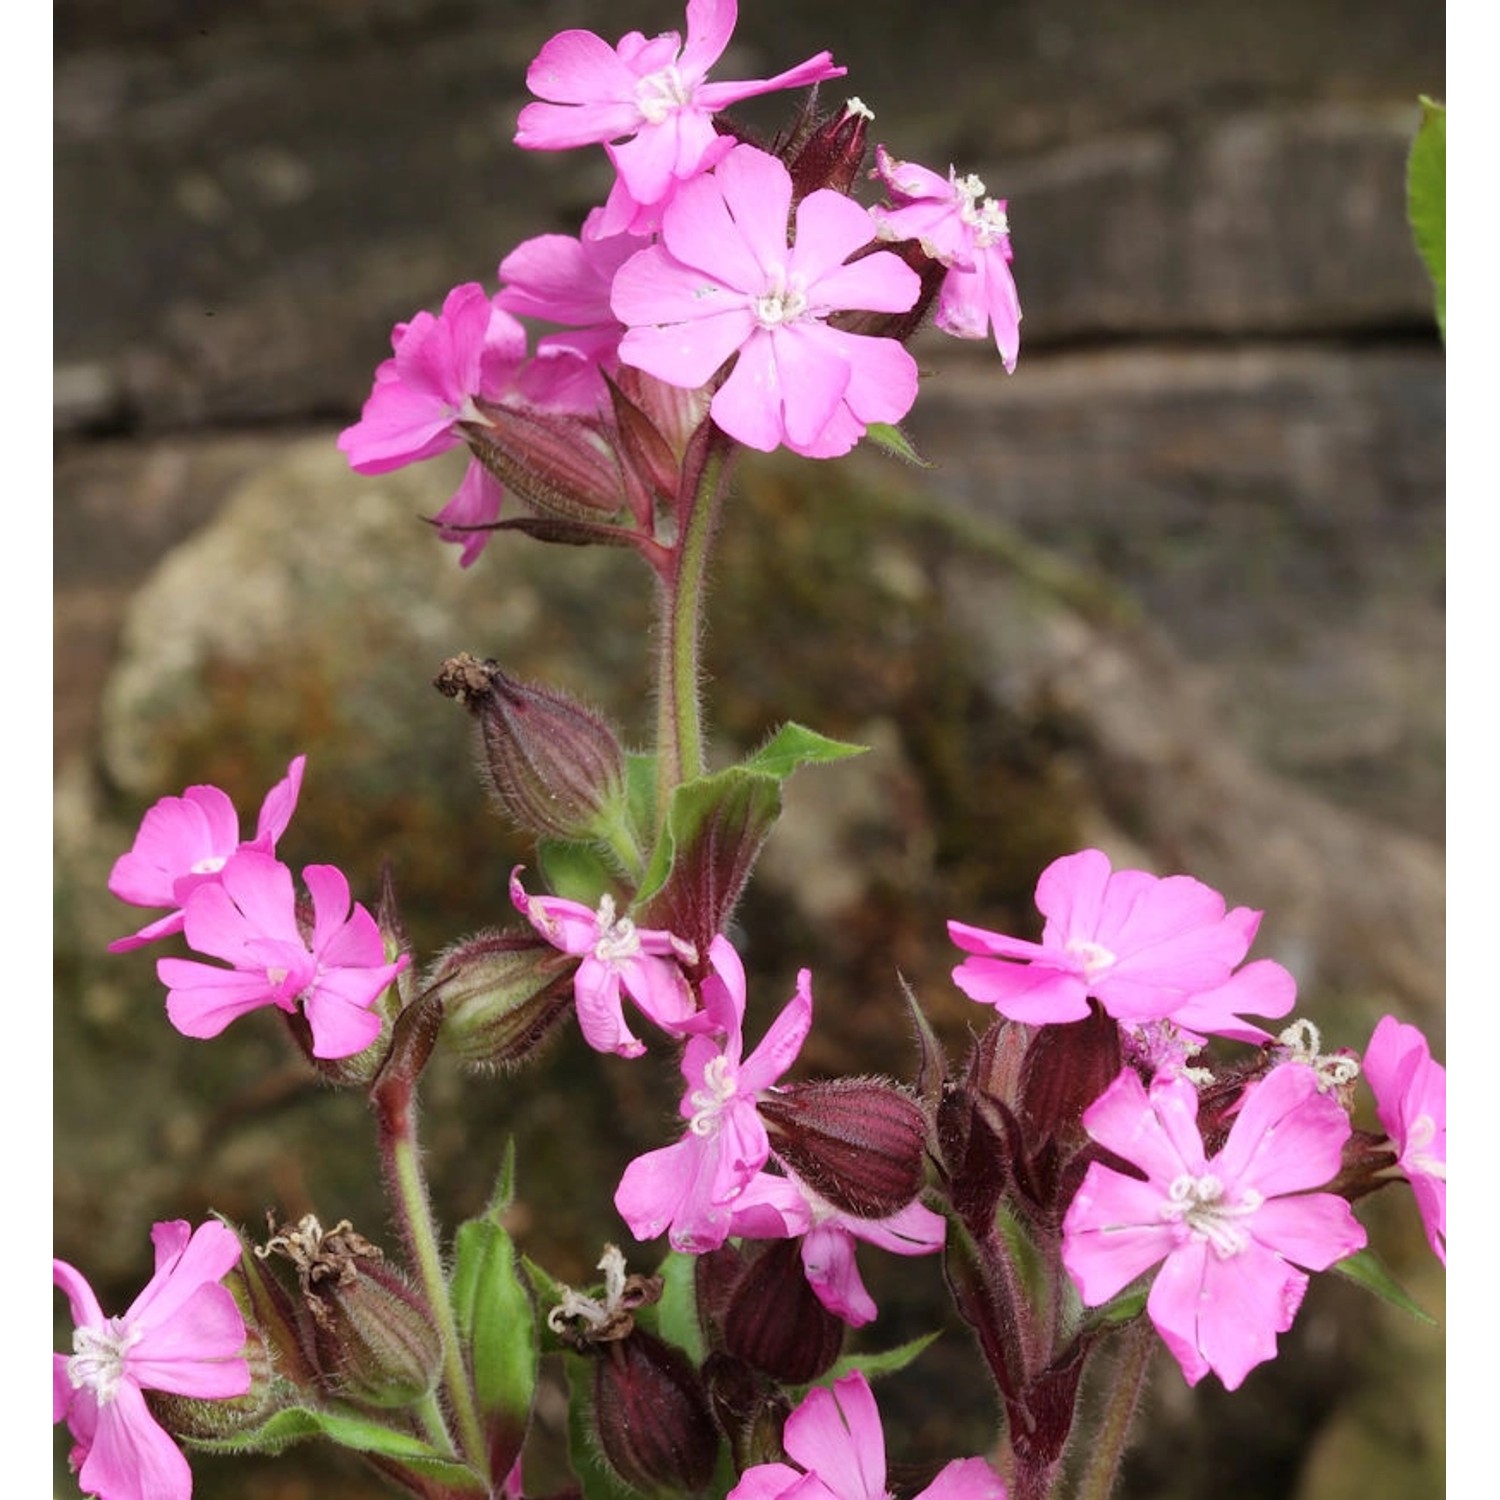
98	1362
1304	1044
784	301
854	105
659	95
719	1087
617	936
1199	1203
593	1312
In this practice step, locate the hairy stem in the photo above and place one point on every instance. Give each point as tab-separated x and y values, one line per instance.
1127	1382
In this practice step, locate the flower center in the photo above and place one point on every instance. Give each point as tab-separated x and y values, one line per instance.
1093	958
1201	1204
783	301
617	935
718	1089
209	865
658	95
1416	1157
98	1362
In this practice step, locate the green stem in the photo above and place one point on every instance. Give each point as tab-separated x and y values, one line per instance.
1127	1381
679	728
414	1210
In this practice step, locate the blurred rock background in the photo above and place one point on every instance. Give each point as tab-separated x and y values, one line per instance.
1174	588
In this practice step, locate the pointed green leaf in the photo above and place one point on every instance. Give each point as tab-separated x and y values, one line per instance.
892	440
1366	1269
792	746
677	1312
549	1294
640	787
1427	201
882	1362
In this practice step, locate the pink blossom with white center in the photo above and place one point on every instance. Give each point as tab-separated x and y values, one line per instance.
183	1334
184	842
774	1207
1229	1232
689	1189
249	919
959	226
647	99
1411	1098
618	958
836	1440
1145	947
724	282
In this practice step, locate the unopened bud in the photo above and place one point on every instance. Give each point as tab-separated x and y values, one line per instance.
556	768
503	995
652	1416
557	463
858	1143
1066	1068
373	1334
201	1418
832	155
775	1322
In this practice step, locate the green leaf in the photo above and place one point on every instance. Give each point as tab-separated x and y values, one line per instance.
1125	1308
359	1433
1427	201
677	1312
892	440
793	746
549	1294
882	1362
1365	1268
497	1323
577	872
640	787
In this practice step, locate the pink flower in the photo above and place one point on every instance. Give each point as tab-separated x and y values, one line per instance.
1411	1098
724	281
183	842
1146	948
619	958
838	1444
647	99
957	225
183	1334
785	1207
336	973
1229	1232
689	1189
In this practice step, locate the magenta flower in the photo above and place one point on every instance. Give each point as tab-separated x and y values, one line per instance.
967	232
1411	1098
618	958
1146	948
647	100
183	1334
249	919
183	842
723	281
785	1207
689	1189
1230	1232
836	1440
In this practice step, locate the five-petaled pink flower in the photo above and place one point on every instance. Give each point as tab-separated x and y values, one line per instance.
724	281
648	101
617	958
1230	1232
836	1441
967	232
335	973
1146	948
1411	1097
689	1189
184	842
774	1207
183	1334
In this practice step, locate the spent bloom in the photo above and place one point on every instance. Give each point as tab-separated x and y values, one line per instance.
836	1441
335	973
723	281
1229	1232
956	224
648	101
617	958
1146	948
183	1334
689	1189
774	1207
184	842
1411	1097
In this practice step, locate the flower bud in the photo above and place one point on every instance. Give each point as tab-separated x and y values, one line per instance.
373	1335
555	767
199	1417
775	1322
832	154
859	1143
503	995
1066	1068
557	463
652	1416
